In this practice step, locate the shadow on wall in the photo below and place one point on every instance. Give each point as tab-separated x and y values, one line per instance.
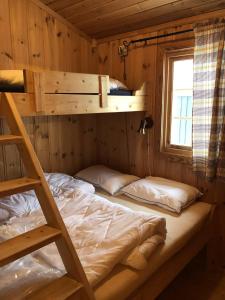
12	81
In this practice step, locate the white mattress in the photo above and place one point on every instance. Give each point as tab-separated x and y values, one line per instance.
181	228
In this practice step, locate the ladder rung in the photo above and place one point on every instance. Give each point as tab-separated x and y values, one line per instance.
59	289
26	243
11	139
19	185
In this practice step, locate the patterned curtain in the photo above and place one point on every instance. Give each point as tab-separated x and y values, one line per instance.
209	100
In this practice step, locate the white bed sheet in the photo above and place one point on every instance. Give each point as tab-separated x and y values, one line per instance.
103	233
180	230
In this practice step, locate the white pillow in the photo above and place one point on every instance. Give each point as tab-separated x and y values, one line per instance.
109	180
169	194
59	183
117	85
4	215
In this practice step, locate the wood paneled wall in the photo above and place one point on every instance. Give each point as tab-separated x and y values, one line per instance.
33	37
119	144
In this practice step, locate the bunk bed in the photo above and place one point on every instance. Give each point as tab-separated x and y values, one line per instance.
61	93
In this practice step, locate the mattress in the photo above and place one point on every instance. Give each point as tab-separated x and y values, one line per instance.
123	280
121	92
180	230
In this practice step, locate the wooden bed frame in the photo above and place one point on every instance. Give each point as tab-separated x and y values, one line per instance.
153	285
61	93
159	280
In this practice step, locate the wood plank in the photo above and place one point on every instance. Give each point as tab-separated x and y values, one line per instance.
26	243
35	36
19	31
84	56
19	185
60	104
55	157
103	90
41	141
58	5
25	104
77	6
60	289
108	20
50	41
6	56
10	139
75	58
88	142
62	47
65	82
2	156
39	91
67	104
11	160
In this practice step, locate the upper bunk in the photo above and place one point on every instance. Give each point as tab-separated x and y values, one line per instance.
63	93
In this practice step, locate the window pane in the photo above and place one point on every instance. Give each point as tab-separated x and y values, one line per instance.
182	97
183	74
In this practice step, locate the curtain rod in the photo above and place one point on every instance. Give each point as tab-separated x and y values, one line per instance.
123	49
127	44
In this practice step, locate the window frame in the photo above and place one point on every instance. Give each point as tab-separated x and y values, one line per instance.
166	147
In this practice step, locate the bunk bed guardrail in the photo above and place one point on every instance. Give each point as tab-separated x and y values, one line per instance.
61	93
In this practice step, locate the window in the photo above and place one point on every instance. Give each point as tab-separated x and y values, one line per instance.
177	102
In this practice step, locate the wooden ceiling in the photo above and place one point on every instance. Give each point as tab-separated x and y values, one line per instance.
101	18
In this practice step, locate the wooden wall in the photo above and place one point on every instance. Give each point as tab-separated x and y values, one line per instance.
119	144
34	37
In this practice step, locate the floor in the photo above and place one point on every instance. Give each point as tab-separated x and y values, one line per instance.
195	283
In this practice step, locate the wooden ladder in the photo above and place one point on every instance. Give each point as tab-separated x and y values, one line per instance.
74	284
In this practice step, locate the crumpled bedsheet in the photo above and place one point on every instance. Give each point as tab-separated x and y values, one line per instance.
103	233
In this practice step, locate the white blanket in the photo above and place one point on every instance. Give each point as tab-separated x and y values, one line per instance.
104	234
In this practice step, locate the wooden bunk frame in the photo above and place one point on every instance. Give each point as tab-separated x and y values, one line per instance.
62	93
59	93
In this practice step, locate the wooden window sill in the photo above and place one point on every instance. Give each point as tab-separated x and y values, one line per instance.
178	155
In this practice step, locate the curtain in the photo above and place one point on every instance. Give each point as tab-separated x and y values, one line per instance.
209	100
